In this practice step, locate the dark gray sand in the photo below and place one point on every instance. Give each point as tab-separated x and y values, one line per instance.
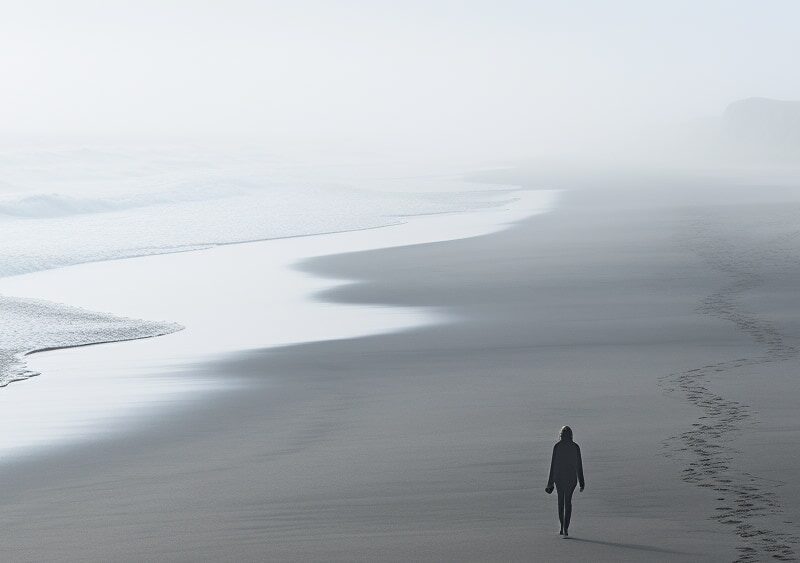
661	326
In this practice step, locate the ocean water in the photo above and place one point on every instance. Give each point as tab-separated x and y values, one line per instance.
70	206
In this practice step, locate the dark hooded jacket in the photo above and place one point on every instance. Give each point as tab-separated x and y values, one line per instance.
566	467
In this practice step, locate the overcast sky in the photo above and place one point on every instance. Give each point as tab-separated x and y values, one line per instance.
482	78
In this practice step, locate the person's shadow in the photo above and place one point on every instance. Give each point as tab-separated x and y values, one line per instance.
635	546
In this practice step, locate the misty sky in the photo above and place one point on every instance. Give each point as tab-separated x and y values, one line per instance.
487	78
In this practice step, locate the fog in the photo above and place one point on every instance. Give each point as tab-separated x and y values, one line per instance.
440	79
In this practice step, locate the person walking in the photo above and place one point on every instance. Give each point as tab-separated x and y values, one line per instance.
566	471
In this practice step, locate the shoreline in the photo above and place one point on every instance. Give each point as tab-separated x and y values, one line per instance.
165	224
79	285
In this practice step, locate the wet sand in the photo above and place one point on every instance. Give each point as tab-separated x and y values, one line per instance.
655	325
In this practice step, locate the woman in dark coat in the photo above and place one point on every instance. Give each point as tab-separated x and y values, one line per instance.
566	471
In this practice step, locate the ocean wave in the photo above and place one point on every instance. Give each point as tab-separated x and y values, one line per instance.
30	325
49	205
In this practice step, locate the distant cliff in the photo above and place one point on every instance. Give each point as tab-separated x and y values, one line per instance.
761	121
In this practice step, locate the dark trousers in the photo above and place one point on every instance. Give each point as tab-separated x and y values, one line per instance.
565	491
